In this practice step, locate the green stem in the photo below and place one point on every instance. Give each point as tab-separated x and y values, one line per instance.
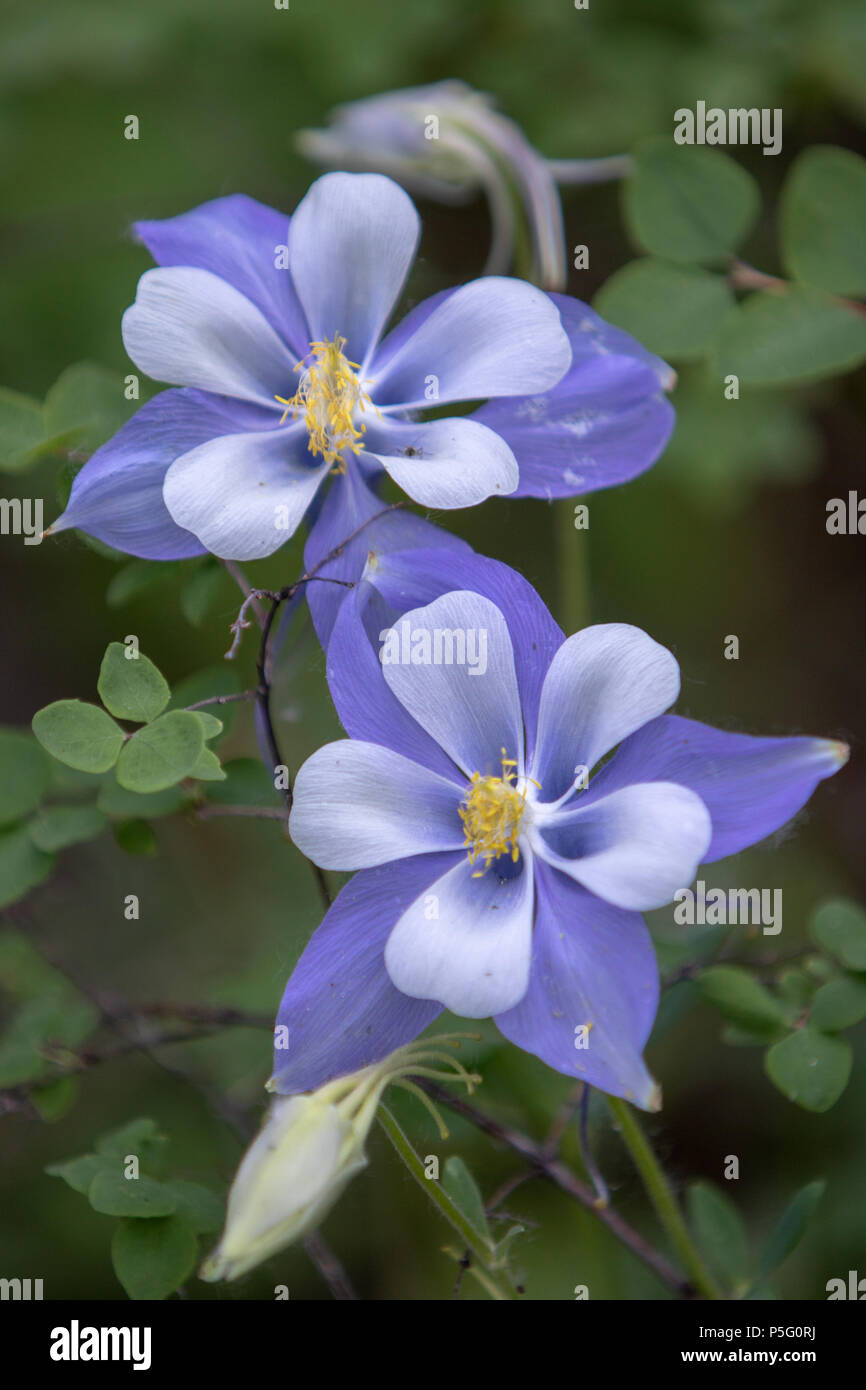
663	1200
571	547
495	1283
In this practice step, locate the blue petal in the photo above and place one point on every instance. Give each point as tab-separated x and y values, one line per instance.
415	578
604	423
750	786
238	239
348	506
340	1008
117	496
591	964
376	715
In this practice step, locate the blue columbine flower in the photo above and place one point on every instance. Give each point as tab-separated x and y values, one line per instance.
274	335
504	856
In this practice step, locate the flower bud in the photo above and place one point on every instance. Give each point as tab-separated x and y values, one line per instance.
294	1171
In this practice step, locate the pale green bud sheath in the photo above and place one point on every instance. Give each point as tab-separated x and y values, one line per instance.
308	1149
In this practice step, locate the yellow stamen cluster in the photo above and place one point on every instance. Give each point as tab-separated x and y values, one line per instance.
491	812
327	397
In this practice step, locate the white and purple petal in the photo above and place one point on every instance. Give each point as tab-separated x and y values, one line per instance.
191	328
635	848
444	463
604	423
472	711
467	941
351	242
416	577
492	337
602	685
592	964
118	494
340	1009
242	241
244	495
358	804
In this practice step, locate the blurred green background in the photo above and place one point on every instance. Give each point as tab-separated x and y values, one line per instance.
722	536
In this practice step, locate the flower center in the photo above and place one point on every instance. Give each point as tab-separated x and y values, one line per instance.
328	396
491	812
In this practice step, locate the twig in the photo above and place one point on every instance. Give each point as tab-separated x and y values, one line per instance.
329	1267
559	1173
214	809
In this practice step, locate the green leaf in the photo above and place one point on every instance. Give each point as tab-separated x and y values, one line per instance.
738	996
22	865
823	213
719	1231
200	592
153	1258
135	837
77	1172
24	774
796	987
131	687
117	801
791	337
61	1018
673	310
141	577
810	1068
85	406
21	430
198	1206
114	1195
208	768
722	450
688	204
790	1229
202	685
839	1004
23	972
56	1100
465	1194
140	1136
210	725
247	784
840	927
59	826
81	735
161	753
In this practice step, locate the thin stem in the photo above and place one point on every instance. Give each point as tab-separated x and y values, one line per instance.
572	172
496	1286
661	1196
562	1176
571	547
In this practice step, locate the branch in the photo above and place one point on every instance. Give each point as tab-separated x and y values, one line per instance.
561	1175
